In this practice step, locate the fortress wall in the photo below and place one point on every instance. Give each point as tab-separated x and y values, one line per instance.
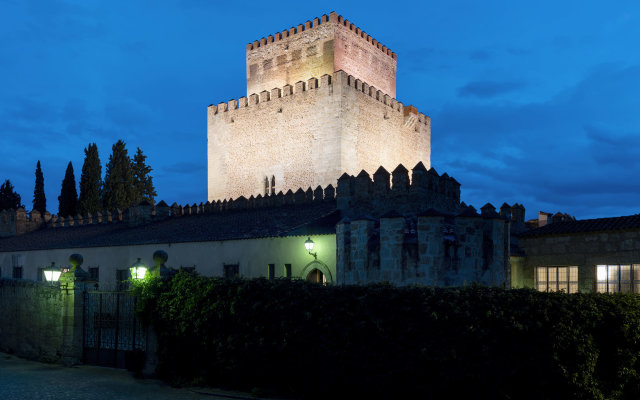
379	131
308	135
294	138
360	55
322	46
290	56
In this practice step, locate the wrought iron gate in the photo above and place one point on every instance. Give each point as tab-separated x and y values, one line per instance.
112	336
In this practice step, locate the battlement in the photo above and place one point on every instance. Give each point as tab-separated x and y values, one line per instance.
322	46
17	222
326	80
333	17
395	192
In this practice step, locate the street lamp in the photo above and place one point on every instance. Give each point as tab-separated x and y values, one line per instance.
308	244
52	273
138	270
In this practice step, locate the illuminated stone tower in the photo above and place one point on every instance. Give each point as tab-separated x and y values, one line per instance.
320	102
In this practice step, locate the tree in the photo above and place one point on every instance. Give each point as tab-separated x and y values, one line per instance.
39	198
142	181
117	191
9	199
68	199
90	182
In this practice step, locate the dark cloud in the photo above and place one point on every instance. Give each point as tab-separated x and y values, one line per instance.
486	89
573	153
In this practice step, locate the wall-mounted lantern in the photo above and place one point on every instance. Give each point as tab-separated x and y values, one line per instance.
308	244
52	273
138	270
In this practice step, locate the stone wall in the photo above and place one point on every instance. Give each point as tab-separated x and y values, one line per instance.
429	249
322	46
31	320
584	250
308	135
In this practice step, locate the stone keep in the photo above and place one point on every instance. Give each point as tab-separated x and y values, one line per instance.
320	102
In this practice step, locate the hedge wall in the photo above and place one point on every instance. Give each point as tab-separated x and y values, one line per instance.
304	340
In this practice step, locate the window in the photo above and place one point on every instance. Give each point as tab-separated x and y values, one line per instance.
40	276
623	278
287	270
555	279
17	262
266	186
271	271
273	185
122	277
231	270
94	274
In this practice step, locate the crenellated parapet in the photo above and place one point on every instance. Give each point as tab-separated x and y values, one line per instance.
17	222
398	191
333	17
320	46
296	92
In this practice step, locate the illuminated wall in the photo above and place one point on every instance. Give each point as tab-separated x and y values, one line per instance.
322	46
252	256
308	135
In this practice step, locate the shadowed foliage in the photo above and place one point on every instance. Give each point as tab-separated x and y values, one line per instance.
90	182
68	199
305	340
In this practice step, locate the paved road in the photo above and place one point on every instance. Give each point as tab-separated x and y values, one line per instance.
25	380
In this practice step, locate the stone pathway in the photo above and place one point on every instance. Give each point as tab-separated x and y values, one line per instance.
25	380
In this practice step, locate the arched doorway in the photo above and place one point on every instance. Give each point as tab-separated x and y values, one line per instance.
317	271
316	276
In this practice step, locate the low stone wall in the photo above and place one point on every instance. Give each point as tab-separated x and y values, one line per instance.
31	319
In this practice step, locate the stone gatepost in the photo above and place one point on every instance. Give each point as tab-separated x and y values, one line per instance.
73	286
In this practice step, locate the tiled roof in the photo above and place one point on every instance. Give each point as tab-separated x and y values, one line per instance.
586	225
290	220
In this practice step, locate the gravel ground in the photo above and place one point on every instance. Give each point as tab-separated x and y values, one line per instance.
24	380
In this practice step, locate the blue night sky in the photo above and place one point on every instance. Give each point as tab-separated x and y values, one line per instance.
531	102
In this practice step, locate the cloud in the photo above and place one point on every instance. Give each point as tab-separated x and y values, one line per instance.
574	152
487	89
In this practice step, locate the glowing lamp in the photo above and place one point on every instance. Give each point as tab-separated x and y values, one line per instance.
308	244
52	273
138	270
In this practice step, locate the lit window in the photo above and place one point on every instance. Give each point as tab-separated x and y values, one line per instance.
623	278
555	279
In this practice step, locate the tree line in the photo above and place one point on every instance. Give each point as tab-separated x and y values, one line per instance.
127	181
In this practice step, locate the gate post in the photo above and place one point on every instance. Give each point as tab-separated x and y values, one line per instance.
72	283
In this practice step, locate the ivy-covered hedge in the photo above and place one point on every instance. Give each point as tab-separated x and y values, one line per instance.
304	340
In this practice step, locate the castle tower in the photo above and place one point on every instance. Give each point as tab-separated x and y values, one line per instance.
320	102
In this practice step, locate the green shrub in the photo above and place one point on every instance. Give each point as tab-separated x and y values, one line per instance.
305	340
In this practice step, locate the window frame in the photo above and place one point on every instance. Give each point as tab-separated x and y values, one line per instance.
613	282
562	279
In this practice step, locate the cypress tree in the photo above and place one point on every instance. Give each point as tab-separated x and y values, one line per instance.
118	179
142	181
9	198
90	182
39	198
68	199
